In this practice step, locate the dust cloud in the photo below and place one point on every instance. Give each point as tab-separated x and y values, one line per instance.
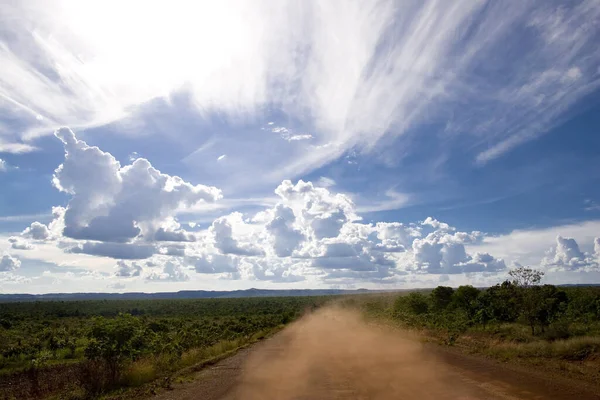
334	354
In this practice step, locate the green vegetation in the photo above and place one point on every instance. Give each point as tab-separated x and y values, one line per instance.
87	348
517	320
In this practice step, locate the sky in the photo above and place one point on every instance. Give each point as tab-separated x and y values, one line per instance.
169	145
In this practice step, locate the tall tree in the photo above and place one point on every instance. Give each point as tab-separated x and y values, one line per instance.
526	277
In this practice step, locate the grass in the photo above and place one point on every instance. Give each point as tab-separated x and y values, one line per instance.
576	357
149	375
572	349
140	372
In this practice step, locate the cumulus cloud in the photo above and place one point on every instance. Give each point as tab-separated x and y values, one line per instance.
128	251
440	249
130	213
566	256
3	166
396	236
342	248
174	249
20	244
324	212
311	232
9	263
222	232
215	264
127	270
285	237
42	232
111	203
114	211
117	286
482	262
320	230
10	278
177	235
277	271
171	271
37	231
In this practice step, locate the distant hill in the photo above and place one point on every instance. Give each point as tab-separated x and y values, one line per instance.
209	294
183	294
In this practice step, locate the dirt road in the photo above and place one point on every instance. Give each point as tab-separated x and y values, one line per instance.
334	355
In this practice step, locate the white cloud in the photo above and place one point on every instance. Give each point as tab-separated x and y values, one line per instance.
443	252
37	231
9	278
127	270
173	249
393	201
128	251
324	212
9	263
3	166
22	217
16	148
279	271
310	233
118	204
591	205
224	240
528	247
215	264
117	286
325	182
176	235
286	238
20	244
171	271
566	256
289	135
354	71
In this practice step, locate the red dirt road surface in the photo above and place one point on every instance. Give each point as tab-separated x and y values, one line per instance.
333	354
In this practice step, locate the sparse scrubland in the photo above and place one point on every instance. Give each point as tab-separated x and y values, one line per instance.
520	321
85	349
88	349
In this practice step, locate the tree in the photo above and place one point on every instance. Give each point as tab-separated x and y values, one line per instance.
441	297
539	304
417	303
465	298
552	302
502	302
115	341
525	277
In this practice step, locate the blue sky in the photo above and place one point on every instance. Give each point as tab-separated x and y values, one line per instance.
384	144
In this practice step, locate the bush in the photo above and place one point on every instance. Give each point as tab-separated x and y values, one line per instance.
115	342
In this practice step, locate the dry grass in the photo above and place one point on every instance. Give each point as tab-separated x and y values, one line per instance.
573	349
140	372
148	375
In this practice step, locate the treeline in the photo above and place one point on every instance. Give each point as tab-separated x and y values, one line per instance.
97	346
547	311
521	300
